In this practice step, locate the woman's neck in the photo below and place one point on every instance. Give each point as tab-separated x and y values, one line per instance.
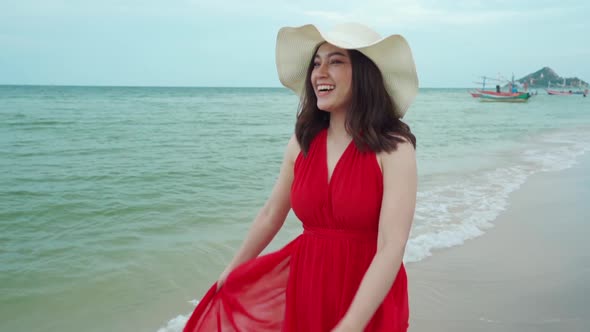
337	128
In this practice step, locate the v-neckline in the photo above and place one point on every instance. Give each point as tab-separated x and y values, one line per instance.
330	177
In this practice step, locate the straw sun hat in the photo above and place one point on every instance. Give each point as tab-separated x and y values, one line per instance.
392	55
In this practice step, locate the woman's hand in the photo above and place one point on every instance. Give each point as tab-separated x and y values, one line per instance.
223	277
344	327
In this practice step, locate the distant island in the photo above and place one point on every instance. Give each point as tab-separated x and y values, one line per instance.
545	76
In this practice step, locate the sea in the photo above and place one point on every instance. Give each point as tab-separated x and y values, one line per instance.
120	206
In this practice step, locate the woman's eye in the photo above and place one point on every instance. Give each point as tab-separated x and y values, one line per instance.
335	61
316	64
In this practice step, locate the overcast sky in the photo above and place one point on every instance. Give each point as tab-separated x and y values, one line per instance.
232	42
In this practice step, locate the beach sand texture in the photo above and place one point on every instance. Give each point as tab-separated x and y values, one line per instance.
529	273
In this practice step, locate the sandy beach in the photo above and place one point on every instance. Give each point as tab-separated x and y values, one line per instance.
529	273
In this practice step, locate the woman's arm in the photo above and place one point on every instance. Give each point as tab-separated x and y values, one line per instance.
272	215
395	221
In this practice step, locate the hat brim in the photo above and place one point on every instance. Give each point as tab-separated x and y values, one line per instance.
296	46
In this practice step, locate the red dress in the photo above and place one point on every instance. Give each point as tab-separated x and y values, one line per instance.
308	285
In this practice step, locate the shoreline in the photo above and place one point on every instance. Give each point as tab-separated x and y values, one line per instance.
517	276
527	273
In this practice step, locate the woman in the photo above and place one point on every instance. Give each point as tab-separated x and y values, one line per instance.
349	173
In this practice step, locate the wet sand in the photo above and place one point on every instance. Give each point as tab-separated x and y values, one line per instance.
531	272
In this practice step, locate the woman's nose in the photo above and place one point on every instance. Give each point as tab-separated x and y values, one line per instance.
322	69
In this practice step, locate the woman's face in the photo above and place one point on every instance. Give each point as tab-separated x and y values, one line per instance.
331	78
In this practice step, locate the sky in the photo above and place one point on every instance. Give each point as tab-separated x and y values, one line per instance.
231	43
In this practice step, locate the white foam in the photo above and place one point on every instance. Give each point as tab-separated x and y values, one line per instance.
558	151
177	324
449	214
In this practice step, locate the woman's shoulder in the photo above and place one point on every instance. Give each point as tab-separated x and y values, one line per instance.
404	151
404	154
293	149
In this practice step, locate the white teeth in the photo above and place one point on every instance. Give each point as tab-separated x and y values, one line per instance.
325	87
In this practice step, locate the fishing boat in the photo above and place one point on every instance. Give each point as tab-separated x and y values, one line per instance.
519	97
477	93
510	94
565	90
559	93
567	93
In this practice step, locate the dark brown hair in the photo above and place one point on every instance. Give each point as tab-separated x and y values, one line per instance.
370	120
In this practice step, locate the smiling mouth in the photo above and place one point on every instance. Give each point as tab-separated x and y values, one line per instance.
325	87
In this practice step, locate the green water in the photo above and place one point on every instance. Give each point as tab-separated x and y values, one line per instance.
120	205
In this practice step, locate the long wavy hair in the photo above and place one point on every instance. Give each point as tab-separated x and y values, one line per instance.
370	119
